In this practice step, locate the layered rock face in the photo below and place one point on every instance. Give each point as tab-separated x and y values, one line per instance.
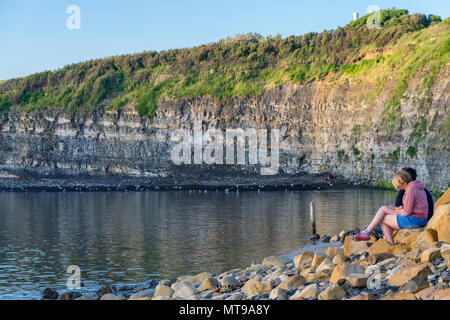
324	127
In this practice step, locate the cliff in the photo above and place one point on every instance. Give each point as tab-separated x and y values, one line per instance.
383	108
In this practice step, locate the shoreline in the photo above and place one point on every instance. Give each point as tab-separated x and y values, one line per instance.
415	268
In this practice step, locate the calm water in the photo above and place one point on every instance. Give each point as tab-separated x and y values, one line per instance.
131	237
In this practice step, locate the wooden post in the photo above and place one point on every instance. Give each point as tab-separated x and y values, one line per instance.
312	218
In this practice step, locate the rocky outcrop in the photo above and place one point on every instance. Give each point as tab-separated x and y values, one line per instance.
324	127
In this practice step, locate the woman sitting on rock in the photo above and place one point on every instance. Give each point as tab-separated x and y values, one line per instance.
413	213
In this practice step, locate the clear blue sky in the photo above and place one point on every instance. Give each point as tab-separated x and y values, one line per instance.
34	36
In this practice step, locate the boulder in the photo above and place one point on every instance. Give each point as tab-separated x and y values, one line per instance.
256	286
443	294
378	257
340	259
342	271
310	291
230	282
278	294
332	252
444	199
354	247
276	261
441	222
317	260
400	249
325	265
407	236
333	292
87	297
197	278
321	276
292	283
104	290
303	260
405	296
381	246
425	237
163	291
445	253
185	291
71	295
430	254
402	276
414	286
143	294
357	280
208	284
48	293
426	294
110	296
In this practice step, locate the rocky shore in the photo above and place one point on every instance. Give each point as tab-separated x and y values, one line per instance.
416	267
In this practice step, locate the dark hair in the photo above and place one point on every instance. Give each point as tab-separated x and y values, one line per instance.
411	172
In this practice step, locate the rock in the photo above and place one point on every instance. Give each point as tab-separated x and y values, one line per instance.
378	257
274	275
400	249
325	265
318	276
208	284
48	293
278	294
157	298
163	291
148	293
333	292
303	260
442	294
363	296
276	261
168	281
402	276
325	238
292	283
405	296
335	238
357	280
381	246
236	296
426	294
110	296
445	253
341	271
414	286
230	282
441	222
185	291
317	260
151	284
340	259
310	291
354	247
332	252
256	286
71	295
197	278
425	237
430	254
103	290
444	199
407	235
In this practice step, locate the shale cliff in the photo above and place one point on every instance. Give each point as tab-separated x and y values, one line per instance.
360	121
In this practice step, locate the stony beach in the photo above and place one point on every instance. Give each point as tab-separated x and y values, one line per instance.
416	267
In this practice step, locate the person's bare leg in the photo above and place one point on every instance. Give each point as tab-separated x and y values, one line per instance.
389	223
378	219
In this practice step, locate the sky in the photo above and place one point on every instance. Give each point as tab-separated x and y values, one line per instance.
34	36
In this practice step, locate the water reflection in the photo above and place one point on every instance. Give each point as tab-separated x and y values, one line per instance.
129	237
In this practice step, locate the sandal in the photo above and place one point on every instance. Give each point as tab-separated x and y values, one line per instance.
360	237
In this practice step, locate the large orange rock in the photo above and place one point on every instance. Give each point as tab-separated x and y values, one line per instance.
303	260
407	236
441	222
444	199
342	271
354	247
443	294
381	246
424	238
403	276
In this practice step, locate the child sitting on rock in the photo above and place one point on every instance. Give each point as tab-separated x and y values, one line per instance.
413	213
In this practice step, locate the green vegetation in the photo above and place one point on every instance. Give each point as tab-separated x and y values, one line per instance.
247	65
395	154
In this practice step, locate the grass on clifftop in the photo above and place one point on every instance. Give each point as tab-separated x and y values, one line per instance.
245	65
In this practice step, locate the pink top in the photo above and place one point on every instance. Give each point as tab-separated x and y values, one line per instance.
415	200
